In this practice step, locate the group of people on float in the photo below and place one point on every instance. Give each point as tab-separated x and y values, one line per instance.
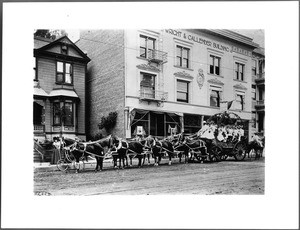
223	133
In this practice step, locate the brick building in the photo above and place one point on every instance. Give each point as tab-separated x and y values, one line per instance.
59	89
166	80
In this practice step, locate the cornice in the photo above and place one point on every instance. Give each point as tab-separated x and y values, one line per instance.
215	81
148	67
240	86
183	74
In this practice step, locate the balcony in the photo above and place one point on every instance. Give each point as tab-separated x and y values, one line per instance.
260	78
153	95
260	104
157	56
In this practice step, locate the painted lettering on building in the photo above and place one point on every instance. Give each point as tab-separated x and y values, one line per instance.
206	42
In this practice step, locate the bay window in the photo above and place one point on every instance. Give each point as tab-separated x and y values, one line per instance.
63	113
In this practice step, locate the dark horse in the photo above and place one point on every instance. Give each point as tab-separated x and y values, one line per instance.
131	149
253	145
95	149
159	148
192	147
181	147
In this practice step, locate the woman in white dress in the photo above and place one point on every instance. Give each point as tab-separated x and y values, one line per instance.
221	130
203	130
211	131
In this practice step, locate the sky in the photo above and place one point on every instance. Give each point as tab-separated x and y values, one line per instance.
258	36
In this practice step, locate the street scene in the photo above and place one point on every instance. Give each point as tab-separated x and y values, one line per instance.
224	178
169	111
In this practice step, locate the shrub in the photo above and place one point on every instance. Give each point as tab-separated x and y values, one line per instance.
108	122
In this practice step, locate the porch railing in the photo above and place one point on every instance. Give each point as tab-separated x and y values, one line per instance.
39	128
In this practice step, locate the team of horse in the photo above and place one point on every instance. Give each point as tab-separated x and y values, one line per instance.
123	150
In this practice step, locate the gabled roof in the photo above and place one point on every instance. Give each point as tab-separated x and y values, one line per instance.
46	49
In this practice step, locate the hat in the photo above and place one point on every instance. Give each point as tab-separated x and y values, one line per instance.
204	122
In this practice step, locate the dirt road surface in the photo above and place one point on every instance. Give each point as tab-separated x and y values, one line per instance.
227	177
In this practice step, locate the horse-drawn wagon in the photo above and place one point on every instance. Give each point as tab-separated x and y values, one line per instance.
229	139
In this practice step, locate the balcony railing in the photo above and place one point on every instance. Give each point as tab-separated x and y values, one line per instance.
39	128
260	78
157	56
153	95
260	104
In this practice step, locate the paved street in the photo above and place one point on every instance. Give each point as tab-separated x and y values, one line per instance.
227	177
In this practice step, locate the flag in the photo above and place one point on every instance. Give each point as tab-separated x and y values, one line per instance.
229	103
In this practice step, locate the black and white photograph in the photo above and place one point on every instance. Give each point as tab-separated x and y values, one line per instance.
183	109
128	115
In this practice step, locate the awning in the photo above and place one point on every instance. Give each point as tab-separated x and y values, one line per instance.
38	91
63	93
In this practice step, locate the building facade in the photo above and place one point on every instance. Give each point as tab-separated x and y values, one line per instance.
258	91
59	89
164	81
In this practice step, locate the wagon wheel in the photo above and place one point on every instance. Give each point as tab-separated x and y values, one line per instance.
62	165
239	151
215	154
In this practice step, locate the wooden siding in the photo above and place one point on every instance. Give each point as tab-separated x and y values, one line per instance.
46	68
71	51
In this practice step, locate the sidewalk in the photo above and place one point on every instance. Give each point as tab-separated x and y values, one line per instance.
91	164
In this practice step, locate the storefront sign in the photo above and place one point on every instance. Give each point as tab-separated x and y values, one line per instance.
209	43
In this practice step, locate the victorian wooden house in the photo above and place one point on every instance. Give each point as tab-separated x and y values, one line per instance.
59	89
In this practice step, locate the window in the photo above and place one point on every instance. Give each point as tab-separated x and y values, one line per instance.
253	120
182	91
147	45
140	119
34	69
240	102
214	65
253	92
254	66
147	85
215	98
239	71
64	73
64	49
192	123
172	123
38	113
63	112
182	56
